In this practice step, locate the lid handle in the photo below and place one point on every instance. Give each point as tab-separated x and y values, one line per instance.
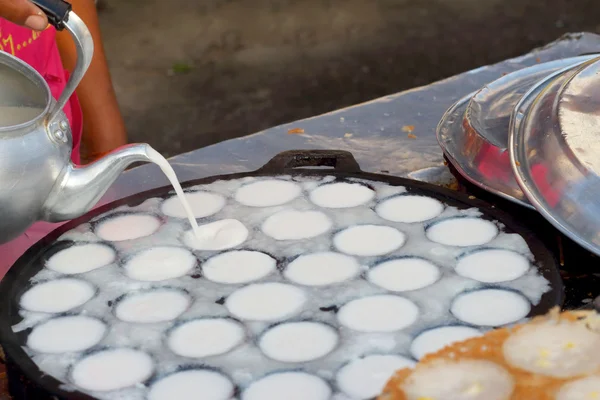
61	16
57	11
338	160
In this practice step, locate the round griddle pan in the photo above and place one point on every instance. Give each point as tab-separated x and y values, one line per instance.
28	382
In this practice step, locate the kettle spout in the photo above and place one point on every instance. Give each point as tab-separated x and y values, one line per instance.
80	188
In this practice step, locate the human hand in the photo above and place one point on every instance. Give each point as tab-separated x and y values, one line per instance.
24	13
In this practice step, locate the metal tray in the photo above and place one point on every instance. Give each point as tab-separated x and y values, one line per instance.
474	132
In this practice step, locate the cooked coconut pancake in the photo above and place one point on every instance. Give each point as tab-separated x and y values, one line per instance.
554	357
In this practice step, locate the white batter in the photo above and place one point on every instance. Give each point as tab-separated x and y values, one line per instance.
127	227
202	204
267	193
152	306
57	296
379	313
271	301
341	195
295	342
581	389
369	240
160	263
218	235
289	386
81	258
560	350
493	265
238	266
433	340
322	269
490	307
192	384
66	334
366	377
462	380
404	274
112	369
296	225
205	337
409	209
462	232
169	172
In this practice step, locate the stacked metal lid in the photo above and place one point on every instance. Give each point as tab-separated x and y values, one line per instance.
533	137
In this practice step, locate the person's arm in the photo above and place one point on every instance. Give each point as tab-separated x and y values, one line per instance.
103	126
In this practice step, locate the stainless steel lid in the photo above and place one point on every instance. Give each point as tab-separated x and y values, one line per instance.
555	151
489	111
579	118
24	95
474	132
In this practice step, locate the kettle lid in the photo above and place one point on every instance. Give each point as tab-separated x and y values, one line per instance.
24	95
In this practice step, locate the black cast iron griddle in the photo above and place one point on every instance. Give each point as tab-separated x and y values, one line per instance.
577	265
28	382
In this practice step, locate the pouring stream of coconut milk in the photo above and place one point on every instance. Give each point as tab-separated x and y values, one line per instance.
166	168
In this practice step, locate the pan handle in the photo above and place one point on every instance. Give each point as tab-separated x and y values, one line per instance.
338	160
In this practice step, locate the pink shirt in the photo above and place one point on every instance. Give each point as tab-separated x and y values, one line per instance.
39	49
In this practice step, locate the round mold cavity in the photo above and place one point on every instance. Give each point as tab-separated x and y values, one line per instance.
341	195
238	267
492	265
267	193
119	227
298	341
205	337
215	236
559	350
580	389
203	204
462	231
71	258
435	339
369	240
57	296
409	208
404	274
365	377
188	383
160	263
269	301
289	385
152	305
378	313
322	269
296	225
111	369
486	379
490	307
66	334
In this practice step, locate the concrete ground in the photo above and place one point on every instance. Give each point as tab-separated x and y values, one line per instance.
191	73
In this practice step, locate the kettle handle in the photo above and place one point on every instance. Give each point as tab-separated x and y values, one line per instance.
57	11
61	16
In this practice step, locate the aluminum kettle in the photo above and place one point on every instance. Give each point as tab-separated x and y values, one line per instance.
38	182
